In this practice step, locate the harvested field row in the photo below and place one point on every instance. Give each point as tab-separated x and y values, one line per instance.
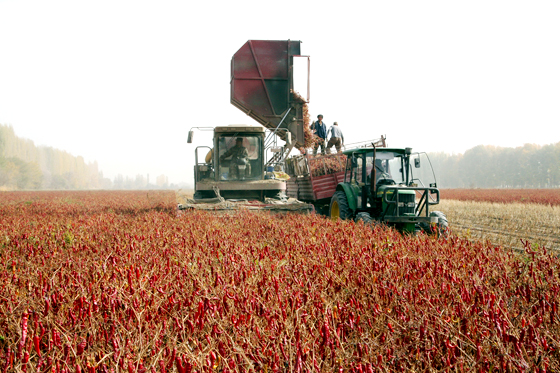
538	196
505	224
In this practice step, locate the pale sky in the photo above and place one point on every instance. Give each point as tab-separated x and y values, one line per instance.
121	82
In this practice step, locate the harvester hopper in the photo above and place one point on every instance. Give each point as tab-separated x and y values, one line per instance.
262	86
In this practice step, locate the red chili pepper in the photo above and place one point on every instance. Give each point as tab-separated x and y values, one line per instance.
172	359
283	352
181	368
24	329
190	325
129	277
478	352
221	349
213	357
131	367
81	347
47	307
36	343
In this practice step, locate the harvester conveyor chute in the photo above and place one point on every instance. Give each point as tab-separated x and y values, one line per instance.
262	86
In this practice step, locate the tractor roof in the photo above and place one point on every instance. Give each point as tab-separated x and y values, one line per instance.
235	128
398	151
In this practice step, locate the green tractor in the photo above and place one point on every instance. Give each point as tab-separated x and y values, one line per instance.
384	185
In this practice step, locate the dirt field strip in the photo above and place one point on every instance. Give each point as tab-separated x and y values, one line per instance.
505	224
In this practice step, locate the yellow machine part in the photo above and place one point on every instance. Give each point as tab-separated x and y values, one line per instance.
208	158
335	211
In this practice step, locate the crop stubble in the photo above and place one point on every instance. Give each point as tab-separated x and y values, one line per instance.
506	224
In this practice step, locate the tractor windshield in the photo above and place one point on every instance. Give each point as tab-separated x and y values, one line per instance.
397	169
239	157
389	168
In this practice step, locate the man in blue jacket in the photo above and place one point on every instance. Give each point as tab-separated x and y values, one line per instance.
320	130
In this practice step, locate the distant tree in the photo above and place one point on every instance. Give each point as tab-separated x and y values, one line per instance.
18	174
8	174
54	168
118	182
484	166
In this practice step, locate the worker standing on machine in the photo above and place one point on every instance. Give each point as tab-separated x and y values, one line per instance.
337	138
239	165
319	129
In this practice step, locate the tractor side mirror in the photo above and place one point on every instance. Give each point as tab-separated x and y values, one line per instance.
190	137
417	162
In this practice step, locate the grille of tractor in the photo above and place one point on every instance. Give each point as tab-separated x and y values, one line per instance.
406	203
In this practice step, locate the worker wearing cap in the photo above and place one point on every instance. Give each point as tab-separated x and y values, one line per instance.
337	138
239	156
320	130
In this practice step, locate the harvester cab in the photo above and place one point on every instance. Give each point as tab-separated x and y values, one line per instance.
385	185
234	167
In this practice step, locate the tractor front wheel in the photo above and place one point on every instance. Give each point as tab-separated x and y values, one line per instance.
442	225
441	229
339	207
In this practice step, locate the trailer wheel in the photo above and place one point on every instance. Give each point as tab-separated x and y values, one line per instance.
339	207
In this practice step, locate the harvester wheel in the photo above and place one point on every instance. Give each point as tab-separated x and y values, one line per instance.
339	206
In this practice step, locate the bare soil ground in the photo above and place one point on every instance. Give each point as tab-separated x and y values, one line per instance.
505	224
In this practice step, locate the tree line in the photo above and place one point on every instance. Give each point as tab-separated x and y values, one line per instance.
485	166
24	166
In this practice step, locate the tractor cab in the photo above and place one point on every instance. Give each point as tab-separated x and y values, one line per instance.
385	185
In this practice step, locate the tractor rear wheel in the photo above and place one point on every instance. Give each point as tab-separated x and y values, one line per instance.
339	207
365	217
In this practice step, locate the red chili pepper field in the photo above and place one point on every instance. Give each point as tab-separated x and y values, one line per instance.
118	282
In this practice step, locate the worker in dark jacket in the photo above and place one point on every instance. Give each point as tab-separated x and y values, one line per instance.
337	138
319	129
239	160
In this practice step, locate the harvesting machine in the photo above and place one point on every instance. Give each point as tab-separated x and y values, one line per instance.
234	172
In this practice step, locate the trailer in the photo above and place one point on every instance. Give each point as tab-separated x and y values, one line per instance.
313	179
